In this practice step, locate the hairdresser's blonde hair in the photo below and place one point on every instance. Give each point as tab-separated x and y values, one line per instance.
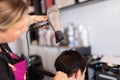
11	11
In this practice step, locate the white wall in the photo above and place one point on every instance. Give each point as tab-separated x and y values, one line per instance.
20	45
102	19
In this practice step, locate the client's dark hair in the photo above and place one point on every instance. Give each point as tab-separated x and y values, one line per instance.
70	61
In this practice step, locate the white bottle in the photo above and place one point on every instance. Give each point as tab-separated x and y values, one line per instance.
78	41
71	41
84	35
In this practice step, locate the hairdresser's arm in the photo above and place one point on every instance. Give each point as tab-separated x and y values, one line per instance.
60	76
36	18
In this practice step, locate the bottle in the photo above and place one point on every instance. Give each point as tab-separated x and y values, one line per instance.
71	42
84	35
78	41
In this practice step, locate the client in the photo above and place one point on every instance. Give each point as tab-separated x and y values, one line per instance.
72	63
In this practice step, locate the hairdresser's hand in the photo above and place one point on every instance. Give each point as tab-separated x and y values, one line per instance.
37	18
60	76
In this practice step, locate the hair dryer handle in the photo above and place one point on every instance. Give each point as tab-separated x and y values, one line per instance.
39	25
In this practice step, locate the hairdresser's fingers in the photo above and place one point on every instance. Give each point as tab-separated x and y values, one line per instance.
37	18
60	76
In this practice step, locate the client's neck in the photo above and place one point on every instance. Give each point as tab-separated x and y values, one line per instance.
72	78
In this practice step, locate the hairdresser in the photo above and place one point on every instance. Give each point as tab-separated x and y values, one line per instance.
14	21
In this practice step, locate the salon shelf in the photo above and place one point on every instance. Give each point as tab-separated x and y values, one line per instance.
61	46
86	51
84	3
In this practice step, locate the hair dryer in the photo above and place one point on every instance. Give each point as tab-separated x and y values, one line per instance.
53	20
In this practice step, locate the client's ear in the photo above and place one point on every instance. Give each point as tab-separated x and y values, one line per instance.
77	73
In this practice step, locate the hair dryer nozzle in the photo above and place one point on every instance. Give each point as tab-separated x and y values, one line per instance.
54	20
58	36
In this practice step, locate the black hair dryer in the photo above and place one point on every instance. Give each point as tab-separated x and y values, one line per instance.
53	21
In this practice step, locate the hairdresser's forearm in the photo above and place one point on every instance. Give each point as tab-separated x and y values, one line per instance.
36	18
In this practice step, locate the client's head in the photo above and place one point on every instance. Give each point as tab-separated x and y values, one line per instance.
72	63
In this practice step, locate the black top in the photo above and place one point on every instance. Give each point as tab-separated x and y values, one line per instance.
5	71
